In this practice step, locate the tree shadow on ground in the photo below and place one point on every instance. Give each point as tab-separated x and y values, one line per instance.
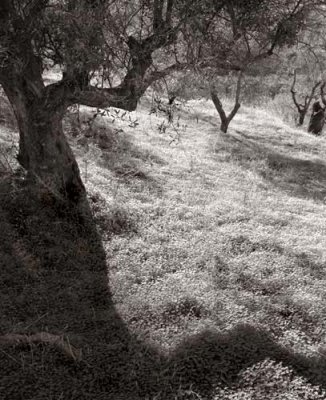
127	161
299	177
54	278
116	146
273	291
242	245
210	359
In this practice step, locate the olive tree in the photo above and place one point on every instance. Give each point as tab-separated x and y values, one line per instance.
243	35
129	45
114	39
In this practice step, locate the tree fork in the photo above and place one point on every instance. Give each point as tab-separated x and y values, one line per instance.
226	119
302	108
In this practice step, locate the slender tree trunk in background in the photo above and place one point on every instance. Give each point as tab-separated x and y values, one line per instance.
302	115
43	149
302	107
224	126
226	119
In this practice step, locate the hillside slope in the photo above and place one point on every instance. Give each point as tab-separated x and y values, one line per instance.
214	249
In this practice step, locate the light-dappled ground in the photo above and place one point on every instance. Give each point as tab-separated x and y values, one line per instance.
233	224
216	247
230	229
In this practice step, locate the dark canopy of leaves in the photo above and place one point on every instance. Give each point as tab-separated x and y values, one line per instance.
124	42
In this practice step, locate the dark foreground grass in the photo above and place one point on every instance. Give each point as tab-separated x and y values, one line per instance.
53	278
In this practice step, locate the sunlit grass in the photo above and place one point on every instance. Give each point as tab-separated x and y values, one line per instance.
212	234
224	225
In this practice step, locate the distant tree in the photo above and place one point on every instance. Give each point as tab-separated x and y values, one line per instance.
317	119
303	107
251	31
110	52
226	119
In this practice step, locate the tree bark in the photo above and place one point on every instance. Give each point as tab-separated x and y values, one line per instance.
43	149
224	126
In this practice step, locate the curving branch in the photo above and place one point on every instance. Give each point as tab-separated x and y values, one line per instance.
75	86
124	96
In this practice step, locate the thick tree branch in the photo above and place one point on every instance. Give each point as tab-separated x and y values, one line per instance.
62	95
119	97
75	87
124	96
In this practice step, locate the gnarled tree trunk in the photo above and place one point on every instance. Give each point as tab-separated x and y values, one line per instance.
39	109
43	150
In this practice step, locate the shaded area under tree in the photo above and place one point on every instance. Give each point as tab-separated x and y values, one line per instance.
54	279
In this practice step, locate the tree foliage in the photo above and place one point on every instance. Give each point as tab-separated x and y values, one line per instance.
111	51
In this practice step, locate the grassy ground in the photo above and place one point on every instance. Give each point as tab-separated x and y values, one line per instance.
200	276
